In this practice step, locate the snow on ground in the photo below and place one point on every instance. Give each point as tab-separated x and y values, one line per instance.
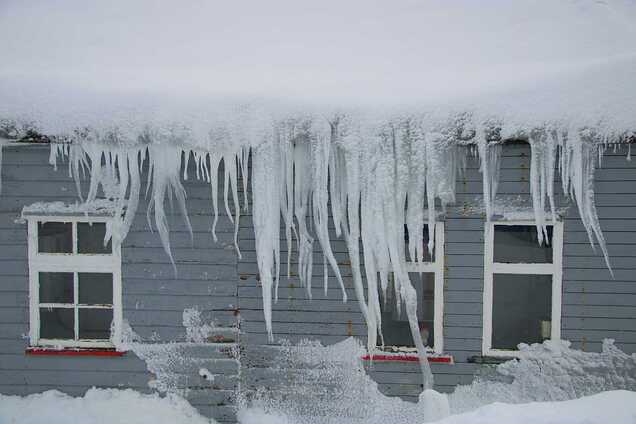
98	406
616	407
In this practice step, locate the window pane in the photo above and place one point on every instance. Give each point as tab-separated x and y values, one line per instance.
395	326
519	244
90	238
423	249
522	309
56	287
55	237
57	323
95	323
95	288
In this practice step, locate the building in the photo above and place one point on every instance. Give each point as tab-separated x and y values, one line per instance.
488	287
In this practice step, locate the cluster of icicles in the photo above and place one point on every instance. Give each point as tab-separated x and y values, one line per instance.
370	186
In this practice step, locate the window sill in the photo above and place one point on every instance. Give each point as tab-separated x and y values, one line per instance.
49	351
401	357
490	360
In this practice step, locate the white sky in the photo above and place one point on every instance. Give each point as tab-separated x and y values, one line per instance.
356	51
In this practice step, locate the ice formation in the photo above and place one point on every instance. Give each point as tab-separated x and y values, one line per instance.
370	181
318	384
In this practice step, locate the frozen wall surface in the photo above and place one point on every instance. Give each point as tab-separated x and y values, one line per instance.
361	116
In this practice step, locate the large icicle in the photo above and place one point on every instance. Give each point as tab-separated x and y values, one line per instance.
165	163
266	216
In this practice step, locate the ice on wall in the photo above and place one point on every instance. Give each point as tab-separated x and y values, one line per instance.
551	371
206	347
317	384
370	181
330	384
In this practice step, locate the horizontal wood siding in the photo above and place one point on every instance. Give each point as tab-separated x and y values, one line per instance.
153	298
210	276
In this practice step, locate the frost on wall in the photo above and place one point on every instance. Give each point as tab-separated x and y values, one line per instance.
550	372
329	384
371	178
326	384
178	366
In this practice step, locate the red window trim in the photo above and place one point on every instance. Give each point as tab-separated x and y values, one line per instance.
441	359
40	351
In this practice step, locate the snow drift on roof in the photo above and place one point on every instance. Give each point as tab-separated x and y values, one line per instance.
74	64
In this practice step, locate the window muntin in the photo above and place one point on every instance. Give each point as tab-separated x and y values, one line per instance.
428	280
75	282
522	286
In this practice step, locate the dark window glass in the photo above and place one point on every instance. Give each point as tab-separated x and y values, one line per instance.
95	323
57	323
423	250
56	287
522	309
55	237
90	238
519	244
95	288
395	325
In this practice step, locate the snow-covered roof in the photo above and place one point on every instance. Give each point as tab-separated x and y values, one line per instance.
73	64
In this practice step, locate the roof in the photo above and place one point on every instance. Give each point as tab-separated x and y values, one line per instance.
128	65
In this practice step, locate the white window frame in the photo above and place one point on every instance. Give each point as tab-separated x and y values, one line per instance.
76	263
490	268
437	268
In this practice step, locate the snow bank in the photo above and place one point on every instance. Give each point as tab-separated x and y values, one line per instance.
98	406
616	407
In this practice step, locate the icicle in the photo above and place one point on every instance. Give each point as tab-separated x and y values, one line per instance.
347	172
490	158
231	171
302	191
629	152
165	162
320	205
265	192
287	192
538	181
581	154
214	188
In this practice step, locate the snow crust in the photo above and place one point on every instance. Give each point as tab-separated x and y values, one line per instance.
329	384
99	406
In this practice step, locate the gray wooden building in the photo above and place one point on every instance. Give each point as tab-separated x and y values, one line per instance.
563	289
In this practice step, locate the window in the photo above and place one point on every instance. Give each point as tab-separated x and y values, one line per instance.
74	282
522	286
427	278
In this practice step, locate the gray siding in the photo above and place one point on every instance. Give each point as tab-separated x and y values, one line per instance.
153	299
210	276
